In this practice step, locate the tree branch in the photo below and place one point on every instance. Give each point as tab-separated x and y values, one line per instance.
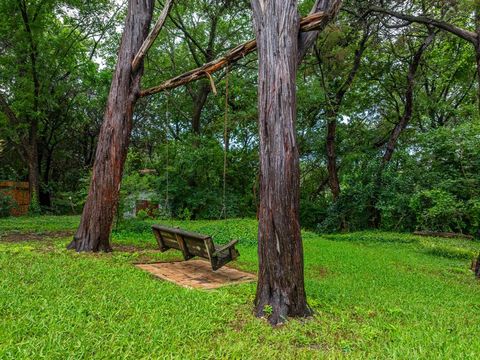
147	44
7	110
307	40
189	39
408	111
309	23
467	35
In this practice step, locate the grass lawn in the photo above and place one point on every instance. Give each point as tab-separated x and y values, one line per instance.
375	295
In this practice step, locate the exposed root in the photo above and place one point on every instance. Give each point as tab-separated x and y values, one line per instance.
277	308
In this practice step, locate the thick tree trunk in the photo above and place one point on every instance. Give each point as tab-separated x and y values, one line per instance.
280	278
100	208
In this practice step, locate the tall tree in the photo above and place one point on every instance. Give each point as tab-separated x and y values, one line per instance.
409	97
336	88
280	251
43	52
403	121
280	278
93	233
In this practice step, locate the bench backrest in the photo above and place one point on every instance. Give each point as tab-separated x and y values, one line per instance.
191	244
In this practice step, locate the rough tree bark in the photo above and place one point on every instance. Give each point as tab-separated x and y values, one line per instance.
280	278
100	208
94	231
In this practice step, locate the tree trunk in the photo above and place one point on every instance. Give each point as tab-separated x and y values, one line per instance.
477	54
31	147
33	172
45	195
336	101
477	267
376	216
100	208
332	156
476	45
280	279
200	100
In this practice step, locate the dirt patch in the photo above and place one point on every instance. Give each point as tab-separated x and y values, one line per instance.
318	271
13	237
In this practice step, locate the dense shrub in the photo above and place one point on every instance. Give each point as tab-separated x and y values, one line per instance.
193	177
7	203
433	184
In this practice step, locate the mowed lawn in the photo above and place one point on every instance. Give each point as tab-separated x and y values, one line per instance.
375	295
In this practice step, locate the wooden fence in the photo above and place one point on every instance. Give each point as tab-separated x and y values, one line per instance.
20	192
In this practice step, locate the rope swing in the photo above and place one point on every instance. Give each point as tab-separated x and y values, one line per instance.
167	162
223	213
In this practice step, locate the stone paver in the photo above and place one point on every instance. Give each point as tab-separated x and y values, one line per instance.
197	274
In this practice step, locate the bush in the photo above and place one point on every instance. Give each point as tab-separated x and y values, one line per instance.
142	215
437	210
7	204
195	179
35	208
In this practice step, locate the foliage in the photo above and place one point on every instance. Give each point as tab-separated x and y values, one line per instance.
34	208
437	210
431	182
7	203
192	179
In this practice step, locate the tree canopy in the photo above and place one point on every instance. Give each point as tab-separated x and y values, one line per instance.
387	115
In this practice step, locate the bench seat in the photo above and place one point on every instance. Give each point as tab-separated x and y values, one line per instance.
192	244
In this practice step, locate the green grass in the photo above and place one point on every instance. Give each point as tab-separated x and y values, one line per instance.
375	295
39	224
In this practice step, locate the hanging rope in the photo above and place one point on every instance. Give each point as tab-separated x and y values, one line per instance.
225	149
167	170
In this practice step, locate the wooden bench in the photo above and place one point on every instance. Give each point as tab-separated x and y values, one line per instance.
192	244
